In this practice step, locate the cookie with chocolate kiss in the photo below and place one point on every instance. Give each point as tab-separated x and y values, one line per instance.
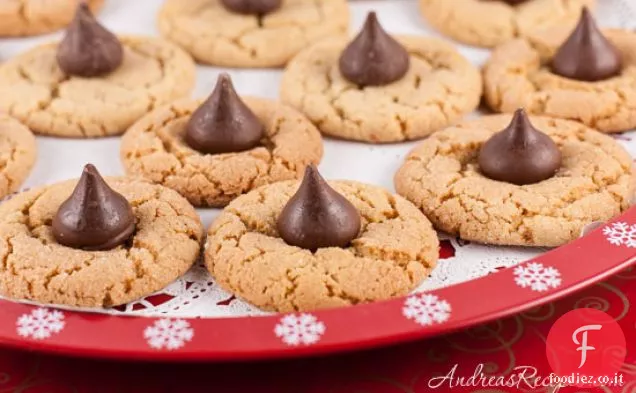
94	217
252	7
520	154
317	216
586	55
223	123
374	58
88	49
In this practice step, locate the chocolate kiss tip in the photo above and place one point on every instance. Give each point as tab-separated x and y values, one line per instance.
520	118
90	168
520	154
374	58
94	217
587	55
372	18
88	49
224	80
317	216
223	123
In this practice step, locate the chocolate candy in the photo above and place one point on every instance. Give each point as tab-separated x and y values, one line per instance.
587	55
374	58
317	216
94	217
520	154
88	49
223	123
252	7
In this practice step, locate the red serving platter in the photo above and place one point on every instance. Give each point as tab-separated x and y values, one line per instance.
552	275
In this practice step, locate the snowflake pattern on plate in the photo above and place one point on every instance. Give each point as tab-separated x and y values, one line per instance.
538	277
621	233
426	309
300	329
169	334
40	324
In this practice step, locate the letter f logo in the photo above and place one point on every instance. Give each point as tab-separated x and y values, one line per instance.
583	343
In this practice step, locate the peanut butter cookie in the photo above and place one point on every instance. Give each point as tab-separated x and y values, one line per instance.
489	23
18	152
37	92
595	182
31	17
395	250
155	148
519	75
439	87
217	34
165	243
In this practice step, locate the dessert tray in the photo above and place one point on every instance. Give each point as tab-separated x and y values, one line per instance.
193	319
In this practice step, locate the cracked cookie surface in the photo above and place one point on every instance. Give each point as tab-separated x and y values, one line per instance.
34	89
441	176
490	23
518	76
440	87
154	148
395	250
35	267
31	17
18	151
214	35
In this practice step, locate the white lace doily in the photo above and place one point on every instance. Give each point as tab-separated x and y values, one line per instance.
196	294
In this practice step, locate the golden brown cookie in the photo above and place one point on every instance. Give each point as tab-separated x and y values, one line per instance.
154	148
35	267
18	152
440	87
518	75
490	23
34	90
395	250
214	35
31	17
441	176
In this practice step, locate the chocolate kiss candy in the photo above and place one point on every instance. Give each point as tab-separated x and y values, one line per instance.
223	123
587	55
520	154
254	7
374	58
317	216
88	49
94	217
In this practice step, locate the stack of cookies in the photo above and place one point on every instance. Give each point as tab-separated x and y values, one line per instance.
287	239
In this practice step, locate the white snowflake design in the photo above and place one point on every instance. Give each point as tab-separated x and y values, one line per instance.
621	233
169	334
300	329
538	277
426	309
40	324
